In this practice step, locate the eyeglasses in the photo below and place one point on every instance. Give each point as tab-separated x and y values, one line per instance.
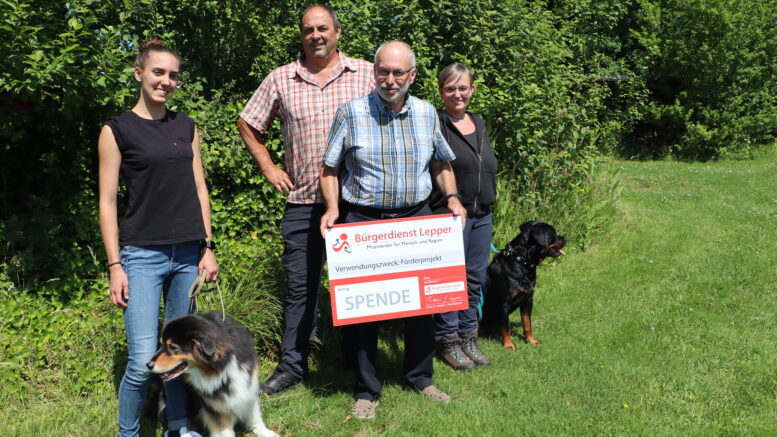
461	89
398	74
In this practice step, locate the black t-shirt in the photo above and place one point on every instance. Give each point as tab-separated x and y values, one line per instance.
156	164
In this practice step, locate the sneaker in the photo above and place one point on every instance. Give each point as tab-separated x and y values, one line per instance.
469	344
436	394
278	383
364	409
452	355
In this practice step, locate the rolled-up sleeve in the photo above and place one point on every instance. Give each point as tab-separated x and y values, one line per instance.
442	151
335	142
263	105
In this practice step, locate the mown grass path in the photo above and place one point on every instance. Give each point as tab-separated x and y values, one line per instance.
666	326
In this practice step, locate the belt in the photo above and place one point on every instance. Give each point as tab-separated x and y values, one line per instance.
382	214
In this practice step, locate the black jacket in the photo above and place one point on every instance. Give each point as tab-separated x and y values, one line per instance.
475	168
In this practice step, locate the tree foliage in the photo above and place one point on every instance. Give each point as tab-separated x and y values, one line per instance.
559	83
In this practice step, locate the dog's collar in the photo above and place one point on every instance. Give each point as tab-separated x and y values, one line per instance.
518	259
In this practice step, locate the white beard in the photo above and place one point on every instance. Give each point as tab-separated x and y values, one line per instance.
393	98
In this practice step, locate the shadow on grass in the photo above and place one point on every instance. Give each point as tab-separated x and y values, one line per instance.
330	375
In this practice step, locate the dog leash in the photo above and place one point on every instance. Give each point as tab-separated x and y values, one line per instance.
482	299
195	289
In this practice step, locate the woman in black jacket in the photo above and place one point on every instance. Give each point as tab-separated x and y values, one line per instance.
475	168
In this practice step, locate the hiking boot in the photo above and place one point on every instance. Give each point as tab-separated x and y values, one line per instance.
452	354
364	409
469	344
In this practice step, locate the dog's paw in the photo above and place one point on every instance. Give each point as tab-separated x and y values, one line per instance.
509	346
533	341
264	432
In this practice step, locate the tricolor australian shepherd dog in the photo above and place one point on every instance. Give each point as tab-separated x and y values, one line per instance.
217	359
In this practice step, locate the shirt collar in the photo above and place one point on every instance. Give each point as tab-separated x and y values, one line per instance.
386	107
343	63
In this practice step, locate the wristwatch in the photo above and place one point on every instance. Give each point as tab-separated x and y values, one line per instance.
208	244
456	195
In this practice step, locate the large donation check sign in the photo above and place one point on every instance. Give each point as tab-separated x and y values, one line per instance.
389	269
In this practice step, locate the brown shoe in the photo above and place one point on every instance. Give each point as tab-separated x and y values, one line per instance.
436	394
469	344
452	355
364	409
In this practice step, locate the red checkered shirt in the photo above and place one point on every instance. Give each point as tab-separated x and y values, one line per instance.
306	110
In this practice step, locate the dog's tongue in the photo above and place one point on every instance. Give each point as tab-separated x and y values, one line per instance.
177	370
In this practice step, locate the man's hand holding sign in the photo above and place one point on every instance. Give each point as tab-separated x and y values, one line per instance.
388	269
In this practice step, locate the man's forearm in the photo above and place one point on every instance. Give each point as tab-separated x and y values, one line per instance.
443	175
330	186
255	144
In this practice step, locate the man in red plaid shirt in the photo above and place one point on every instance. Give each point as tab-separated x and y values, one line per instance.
304	95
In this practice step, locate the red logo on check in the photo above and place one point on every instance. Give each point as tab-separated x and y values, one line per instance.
342	244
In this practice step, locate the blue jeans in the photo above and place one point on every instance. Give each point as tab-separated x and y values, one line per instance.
153	272
477	243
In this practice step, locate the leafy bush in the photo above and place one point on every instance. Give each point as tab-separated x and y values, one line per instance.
44	340
65	77
712	80
692	79
79	345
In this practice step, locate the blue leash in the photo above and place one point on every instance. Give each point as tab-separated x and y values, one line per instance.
482	294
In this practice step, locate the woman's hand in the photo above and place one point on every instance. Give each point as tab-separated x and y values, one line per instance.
209	264
119	287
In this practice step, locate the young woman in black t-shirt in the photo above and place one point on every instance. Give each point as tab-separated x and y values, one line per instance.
164	239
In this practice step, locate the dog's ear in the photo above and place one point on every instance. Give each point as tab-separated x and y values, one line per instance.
205	346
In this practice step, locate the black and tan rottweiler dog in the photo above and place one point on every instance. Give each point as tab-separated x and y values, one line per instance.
511	277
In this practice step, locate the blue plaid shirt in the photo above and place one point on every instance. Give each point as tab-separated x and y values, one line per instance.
386	154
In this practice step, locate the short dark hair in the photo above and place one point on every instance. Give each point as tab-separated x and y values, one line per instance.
329	10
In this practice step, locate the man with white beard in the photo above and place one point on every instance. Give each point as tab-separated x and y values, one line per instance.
391	147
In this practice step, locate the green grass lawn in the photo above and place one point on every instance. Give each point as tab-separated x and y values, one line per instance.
666	326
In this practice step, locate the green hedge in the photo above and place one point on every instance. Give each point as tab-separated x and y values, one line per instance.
69	69
696	79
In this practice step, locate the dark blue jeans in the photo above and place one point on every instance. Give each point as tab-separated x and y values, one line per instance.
303	260
477	243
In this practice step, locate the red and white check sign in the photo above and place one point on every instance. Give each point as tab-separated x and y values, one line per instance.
389	269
